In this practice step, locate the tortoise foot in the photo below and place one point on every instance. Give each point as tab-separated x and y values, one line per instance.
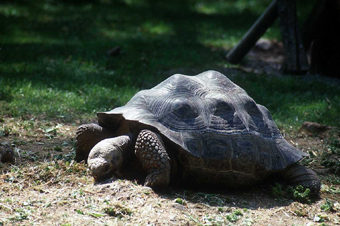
87	136
151	152
301	175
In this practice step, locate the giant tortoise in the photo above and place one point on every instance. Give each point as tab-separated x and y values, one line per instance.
201	129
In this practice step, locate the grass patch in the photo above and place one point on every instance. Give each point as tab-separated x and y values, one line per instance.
117	211
54	61
298	193
234	216
292	103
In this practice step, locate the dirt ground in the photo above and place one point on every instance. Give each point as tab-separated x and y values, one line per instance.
46	187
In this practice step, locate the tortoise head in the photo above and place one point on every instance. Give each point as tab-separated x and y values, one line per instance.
104	159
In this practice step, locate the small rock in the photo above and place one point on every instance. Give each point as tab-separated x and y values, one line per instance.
316	218
178	206
147	190
6	153
263	44
315	128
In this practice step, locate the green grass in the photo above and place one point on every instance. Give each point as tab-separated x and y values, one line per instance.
54	63
293	100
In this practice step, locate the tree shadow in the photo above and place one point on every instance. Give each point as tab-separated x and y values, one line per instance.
252	198
154	37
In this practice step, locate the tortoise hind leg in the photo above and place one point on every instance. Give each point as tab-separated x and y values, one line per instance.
297	174
150	150
87	136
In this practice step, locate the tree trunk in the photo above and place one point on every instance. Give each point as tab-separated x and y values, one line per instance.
324	38
253	34
295	56
309	28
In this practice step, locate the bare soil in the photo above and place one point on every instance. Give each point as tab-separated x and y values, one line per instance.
46	187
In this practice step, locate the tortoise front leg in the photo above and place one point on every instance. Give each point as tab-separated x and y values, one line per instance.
297	174
87	136
150	150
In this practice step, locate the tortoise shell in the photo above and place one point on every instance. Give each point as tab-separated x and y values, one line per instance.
218	126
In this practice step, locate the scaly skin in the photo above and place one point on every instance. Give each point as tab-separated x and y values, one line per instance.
150	150
298	174
107	156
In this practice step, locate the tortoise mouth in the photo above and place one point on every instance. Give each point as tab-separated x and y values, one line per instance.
101	173
103	177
